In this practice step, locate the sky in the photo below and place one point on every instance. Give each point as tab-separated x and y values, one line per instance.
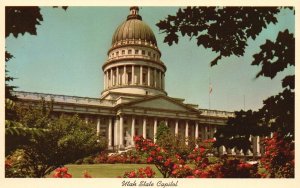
71	46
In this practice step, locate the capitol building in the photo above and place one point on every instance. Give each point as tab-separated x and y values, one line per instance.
134	100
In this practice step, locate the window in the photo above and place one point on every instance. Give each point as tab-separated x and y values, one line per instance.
143	52
113	54
149	54
153	55
136	51
117	53
129	51
123	52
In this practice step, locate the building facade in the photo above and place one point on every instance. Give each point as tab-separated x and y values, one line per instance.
134	101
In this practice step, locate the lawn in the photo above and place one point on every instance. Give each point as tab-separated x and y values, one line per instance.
107	170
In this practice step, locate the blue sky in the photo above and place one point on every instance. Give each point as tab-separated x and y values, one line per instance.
67	54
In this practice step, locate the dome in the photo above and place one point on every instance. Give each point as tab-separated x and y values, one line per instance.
134	29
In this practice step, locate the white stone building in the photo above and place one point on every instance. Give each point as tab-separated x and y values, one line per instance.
134	100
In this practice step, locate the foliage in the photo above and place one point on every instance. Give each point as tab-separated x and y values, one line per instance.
276	56
279	158
162	131
225	30
16	165
66	140
140	173
62	172
173	143
18	20
156	155
197	165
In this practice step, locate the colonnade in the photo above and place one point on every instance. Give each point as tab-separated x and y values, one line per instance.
134	75
116	132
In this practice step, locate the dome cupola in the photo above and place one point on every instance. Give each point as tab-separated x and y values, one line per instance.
133	65
133	29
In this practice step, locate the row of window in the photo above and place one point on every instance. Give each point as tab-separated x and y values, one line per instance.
131	52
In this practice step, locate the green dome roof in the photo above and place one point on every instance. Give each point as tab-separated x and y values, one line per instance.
134	28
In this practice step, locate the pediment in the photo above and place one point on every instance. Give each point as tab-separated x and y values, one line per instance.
162	103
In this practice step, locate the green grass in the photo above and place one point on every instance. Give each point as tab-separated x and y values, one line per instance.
107	170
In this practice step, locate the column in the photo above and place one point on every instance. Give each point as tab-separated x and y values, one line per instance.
124	76
106	80
132	75
249	150
118	77
256	146
155	81
141	75
163	81
111	77
132	130
121	133
144	128
109	133
155	129
186	131
116	135
148	76
167	123
98	127
86	120
159	79
222	150
176	128
196	130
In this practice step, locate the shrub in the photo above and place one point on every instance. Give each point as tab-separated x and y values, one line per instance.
140	173
279	158
62	172
175	166
88	160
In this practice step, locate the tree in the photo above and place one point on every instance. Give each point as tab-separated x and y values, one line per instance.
226	31
65	140
18	20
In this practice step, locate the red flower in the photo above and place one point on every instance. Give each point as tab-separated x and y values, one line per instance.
204	175
159	157
197	172
132	174
175	166
202	149
67	175
149	160
174	172
190	176
152	153
167	163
